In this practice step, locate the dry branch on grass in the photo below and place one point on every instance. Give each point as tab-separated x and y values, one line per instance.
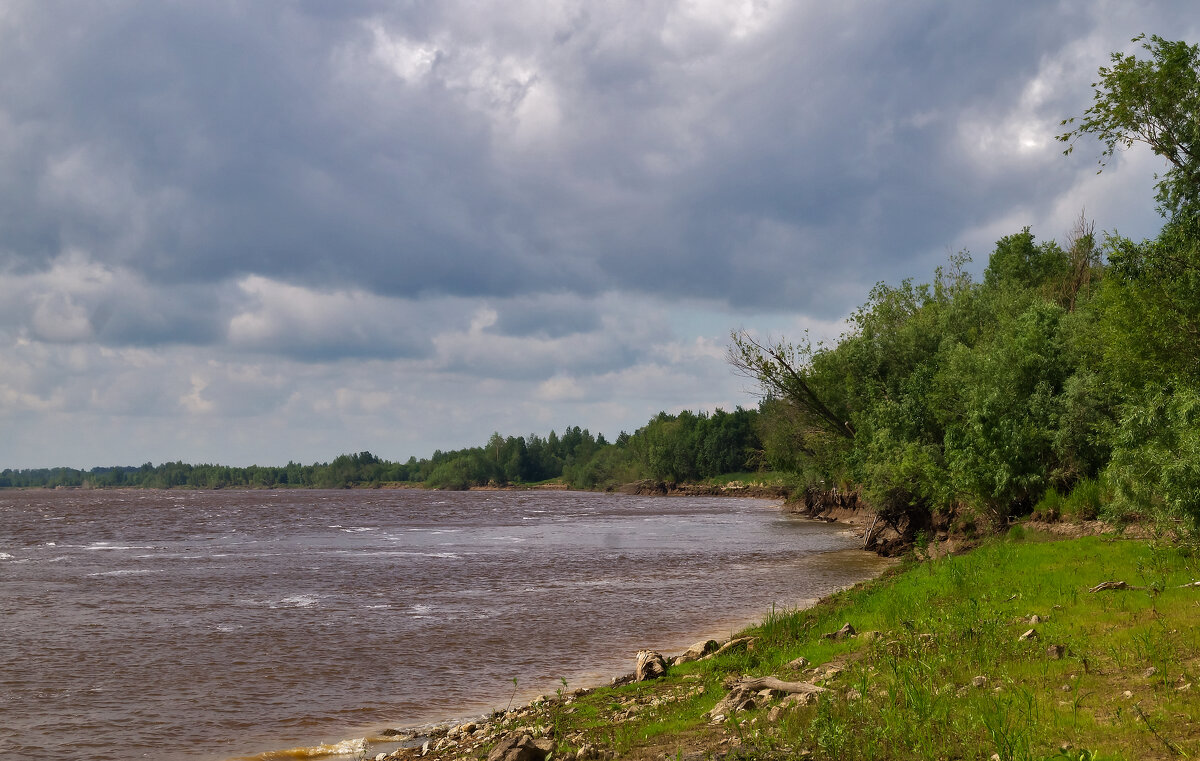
771	683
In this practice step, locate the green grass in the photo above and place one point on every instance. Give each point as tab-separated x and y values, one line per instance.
762	478
941	623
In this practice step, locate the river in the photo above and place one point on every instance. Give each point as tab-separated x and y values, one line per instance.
208	625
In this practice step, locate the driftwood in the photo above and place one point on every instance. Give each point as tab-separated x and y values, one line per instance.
741	643
870	532
771	683
650	665
744	694
1105	586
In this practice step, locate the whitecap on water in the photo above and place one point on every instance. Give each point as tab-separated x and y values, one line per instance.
295	601
5	556
126	572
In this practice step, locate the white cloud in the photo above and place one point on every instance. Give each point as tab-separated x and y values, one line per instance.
560	388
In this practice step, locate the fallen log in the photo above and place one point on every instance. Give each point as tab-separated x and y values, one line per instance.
741	643
771	683
870	533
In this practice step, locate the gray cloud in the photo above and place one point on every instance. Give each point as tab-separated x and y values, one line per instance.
546	316
446	205
510	150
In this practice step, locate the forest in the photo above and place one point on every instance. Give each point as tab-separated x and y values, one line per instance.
1066	380
1063	381
672	448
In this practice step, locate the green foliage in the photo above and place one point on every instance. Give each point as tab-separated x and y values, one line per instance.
1153	101
1085	501
1003	400
1149	306
609	467
684	447
957	393
1059	374
693	446
1155	467
1019	262
1050	507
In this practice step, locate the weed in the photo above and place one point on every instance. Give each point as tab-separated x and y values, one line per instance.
1049	508
1085	501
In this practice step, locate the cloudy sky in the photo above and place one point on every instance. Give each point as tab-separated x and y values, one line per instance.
246	231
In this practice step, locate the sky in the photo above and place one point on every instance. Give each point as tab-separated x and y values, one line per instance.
255	231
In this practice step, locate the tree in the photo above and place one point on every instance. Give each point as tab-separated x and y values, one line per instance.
1018	261
1155	102
784	371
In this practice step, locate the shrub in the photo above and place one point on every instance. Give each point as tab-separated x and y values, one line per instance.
1049	508
1084	501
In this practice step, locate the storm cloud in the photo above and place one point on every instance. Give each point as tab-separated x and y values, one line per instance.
294	229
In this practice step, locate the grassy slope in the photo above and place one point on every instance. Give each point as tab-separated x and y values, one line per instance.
906	695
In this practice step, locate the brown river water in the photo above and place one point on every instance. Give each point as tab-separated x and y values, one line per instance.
200	626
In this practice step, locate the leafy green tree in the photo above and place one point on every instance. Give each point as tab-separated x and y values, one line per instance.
1154	101
1150	306
1003	401
1155	467
1019	262
810	392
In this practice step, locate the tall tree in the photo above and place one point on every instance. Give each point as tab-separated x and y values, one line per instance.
1153	101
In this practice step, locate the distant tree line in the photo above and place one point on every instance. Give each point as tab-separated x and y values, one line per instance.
672	448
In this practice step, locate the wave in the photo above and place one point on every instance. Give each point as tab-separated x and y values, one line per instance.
400	553
343	748
295	601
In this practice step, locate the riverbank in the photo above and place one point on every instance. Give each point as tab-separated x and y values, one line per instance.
1013	650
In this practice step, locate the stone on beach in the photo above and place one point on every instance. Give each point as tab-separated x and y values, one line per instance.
521	747
845	632
696	652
